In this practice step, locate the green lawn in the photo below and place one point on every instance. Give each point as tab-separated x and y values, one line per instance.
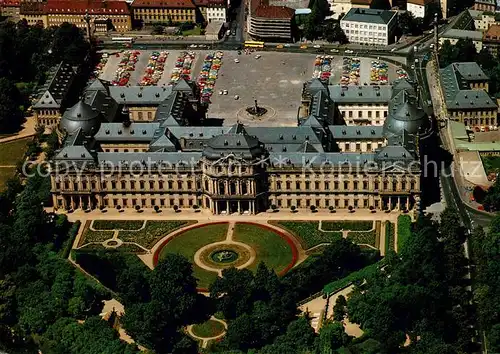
270	248
117	224
196	31
153	232
209	329
191	241
307	232
13	151
355	277
351	225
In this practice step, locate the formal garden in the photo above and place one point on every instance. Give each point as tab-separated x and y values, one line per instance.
315	233
136	236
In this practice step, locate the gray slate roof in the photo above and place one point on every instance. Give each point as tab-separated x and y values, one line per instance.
462	34
140	95
136	132
350	132
55	89
169	159
287	159
360	94
381	17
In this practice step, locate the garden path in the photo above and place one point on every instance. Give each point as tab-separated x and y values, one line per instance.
206	340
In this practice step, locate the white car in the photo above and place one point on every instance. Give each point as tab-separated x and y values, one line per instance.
193	46
257	56
225	92
236	97
348	51
221	92
287	45
393	49
334	50
316	46
236	60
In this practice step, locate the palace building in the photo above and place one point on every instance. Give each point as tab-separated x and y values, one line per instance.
173	160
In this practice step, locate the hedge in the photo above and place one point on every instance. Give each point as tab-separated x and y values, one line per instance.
351	225
389	236
68	244
404	230
117	224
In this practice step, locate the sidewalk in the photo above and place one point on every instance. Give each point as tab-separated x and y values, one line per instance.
27	131
205	215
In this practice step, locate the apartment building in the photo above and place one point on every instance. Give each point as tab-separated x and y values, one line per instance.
266	22
485	5
418	7
366	26
465	90
164	11
212	10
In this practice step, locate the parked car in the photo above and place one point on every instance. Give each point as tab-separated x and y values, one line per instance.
348	51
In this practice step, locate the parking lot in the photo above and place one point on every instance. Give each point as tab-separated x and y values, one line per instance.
274	79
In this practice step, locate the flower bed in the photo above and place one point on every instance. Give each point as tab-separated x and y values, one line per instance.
89	235
154	69
125	67
350	225
308	234
209	74
182	69
322	67
117	224
363	237
152	232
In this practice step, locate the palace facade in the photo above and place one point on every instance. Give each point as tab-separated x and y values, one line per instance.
174	160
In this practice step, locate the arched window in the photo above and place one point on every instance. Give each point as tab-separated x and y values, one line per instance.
222	188
232	188
244	188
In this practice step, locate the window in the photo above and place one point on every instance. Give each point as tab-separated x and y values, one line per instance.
151	185
179	185
190	185
350	114
394	185
346	185
308	185
139	115
170	185
377	114
160	184
335	185
327	185
369	146
113	185
355	185
288	185
297	185
365	185
123	185
278	185
141	184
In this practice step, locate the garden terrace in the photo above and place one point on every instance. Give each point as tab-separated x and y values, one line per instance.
117	224
389	236
404	230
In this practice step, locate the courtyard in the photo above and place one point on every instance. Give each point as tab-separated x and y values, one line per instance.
274	79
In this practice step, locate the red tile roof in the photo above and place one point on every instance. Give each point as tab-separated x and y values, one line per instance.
10	3
281	12
92	6
208	3
166	4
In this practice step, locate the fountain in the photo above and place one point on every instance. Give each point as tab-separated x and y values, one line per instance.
256	111
224	256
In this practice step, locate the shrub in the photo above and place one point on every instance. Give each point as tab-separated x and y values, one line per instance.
363	237
68	244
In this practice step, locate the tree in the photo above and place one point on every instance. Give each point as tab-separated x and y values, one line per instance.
447	54
11	115
69	44
339	310
466	50
332	337
174	304
380	5
486	60
157	29
407	23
